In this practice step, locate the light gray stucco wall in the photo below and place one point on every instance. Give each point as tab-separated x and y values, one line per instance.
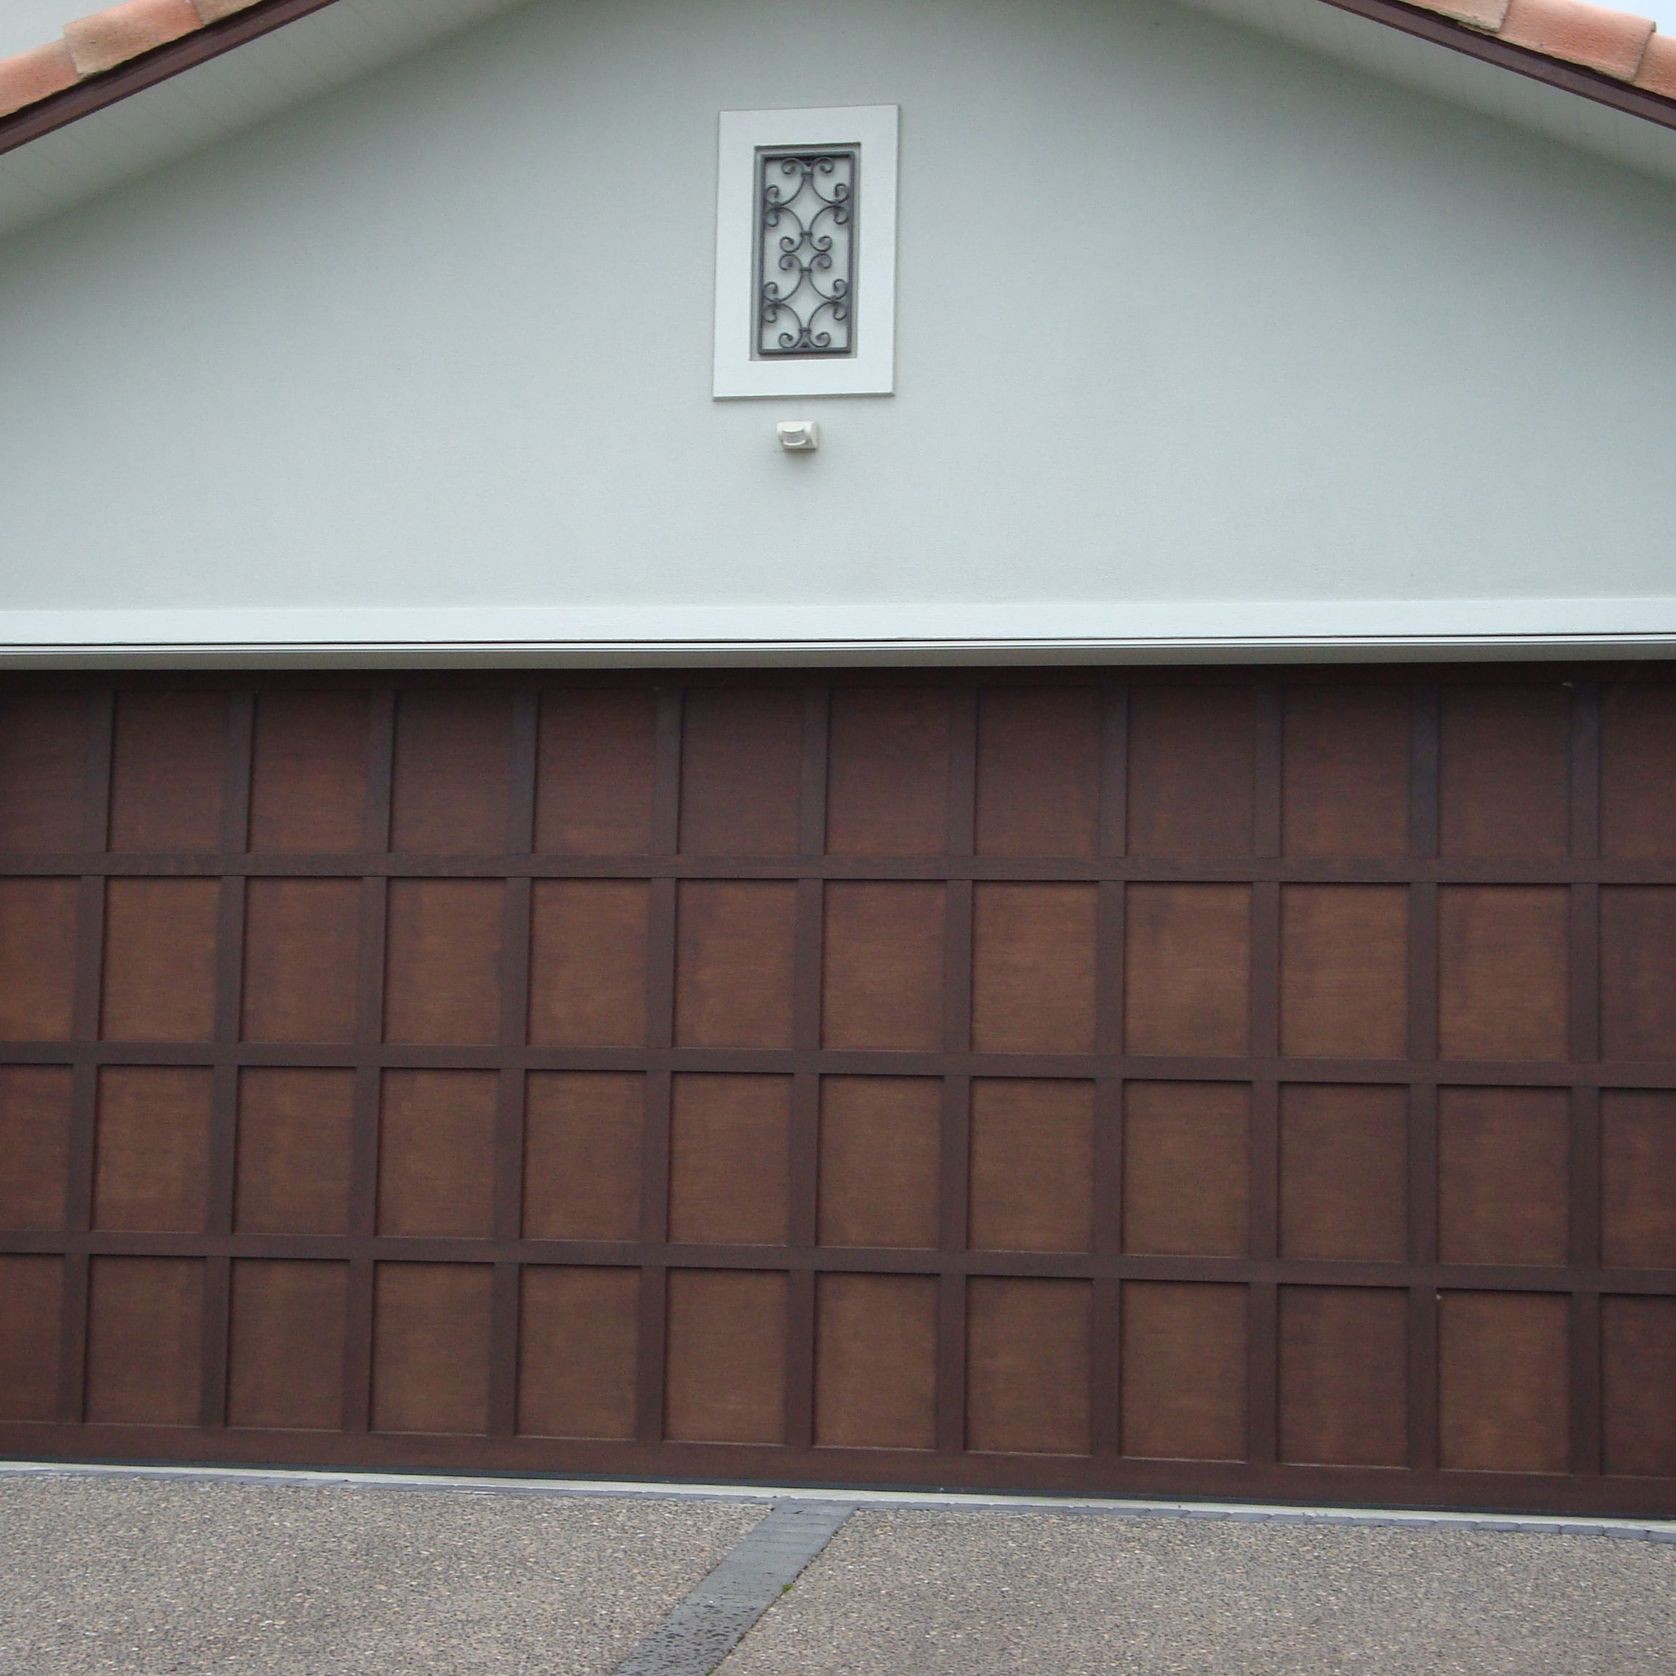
1184	316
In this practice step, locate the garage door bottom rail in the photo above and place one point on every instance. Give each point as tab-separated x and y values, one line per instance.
1485	1492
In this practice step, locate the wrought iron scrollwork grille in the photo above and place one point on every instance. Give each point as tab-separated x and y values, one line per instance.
805	275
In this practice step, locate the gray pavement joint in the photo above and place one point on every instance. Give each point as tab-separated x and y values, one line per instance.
706	1626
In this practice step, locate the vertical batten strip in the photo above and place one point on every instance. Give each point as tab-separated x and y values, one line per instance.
84	1074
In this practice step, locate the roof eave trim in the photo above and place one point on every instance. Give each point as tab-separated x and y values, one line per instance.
99	92
1490	49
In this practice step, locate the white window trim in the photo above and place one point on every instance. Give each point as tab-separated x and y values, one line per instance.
871	371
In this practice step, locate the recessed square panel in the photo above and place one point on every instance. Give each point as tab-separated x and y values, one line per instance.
302	943
1039	771
1505	774
882	966
293	1150
1503	1381
1638	971
1343	1363
443	961
1184	1360
1502	972
733	963
436	1153
285	1352
1187	988
1186	1168
308	779
888	771
1028	1348
1343	1172
430	1347
1638	768
1345	771
168	771
1637	1168
34	1145
1343	971
879	1151
1032	1165
160	942
31	1296
451	793
595	771
725	1367
151	1153
1638	1376
582	1155
875	1361
728	1160
1191	770
43	771
1033	968
37	959
578	1338
741	771
588	962
1503	1175
145	1323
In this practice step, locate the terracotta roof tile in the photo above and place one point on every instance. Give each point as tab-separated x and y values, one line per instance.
1616	45
1611	42
32	76
118	33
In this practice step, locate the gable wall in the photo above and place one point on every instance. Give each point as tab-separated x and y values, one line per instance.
1186	319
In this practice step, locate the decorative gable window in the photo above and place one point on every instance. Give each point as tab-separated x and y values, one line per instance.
806	252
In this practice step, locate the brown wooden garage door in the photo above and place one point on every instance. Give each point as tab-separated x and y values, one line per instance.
1237	1083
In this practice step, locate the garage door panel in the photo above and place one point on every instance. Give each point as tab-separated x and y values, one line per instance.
430	1341
1345	758
734	957
286	1338
578	1347
451	789
308	773
294	1151
595	772
1638	1163
1192	759
741	771
169	771
151	1149
160	949
31	1300
1039	770
34	1145
584	1138
145	1319
45	744
1175	1082
1344	1172
37	944
1505	771
888	761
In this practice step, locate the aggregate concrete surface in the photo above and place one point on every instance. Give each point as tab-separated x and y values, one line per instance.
151	1577
1052	1594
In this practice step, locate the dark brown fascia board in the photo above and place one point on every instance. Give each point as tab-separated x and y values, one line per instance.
1490	49
99	92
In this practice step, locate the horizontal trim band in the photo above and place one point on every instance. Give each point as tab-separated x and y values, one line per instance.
1060	630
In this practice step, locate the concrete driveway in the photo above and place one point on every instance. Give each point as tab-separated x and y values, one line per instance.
154	1576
